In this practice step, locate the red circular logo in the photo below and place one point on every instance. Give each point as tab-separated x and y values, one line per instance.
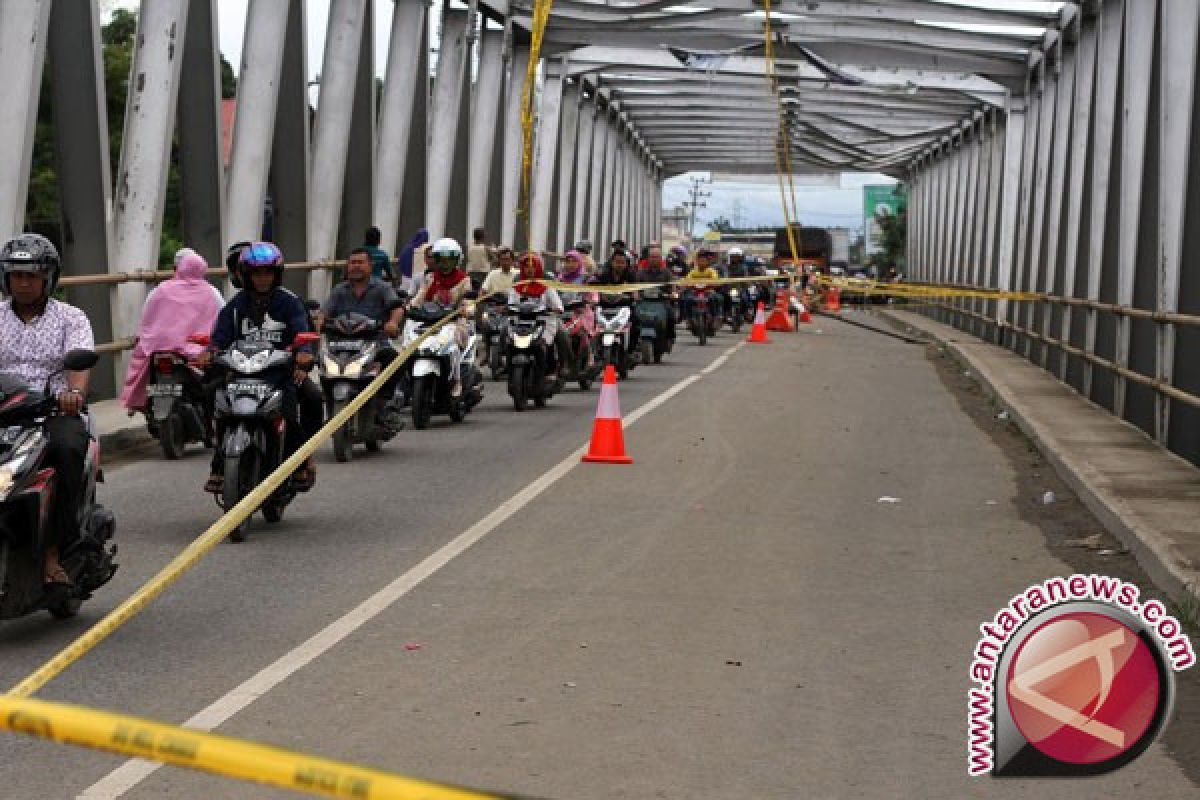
1083	688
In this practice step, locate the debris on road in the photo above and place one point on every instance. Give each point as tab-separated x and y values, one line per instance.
413	646
1048	499
887	499
1002	415
1093	542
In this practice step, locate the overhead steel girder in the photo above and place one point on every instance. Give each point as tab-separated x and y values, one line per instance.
899	55
758	93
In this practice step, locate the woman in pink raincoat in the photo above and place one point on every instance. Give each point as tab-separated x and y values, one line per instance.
181	306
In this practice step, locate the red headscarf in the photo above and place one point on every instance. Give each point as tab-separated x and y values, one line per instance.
442	286
527	285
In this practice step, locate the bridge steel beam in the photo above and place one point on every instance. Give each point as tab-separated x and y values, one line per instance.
447	101
511	183
583	167
549	117
404	79
24	31
601	132
485	112
567	178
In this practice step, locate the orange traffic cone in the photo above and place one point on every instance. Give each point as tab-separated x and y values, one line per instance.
805	317
780	319
758	334
833	299
608	440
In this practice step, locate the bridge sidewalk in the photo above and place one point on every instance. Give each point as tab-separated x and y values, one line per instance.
1146	496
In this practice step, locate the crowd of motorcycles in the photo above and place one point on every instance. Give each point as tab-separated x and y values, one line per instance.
508	340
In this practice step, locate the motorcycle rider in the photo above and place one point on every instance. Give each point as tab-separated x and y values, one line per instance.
704	270
501	278
36	332
529	285
363	293
619	270
584	248
677	260
447	285
264	311
656	271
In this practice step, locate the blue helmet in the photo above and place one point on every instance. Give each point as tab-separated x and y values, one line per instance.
260	254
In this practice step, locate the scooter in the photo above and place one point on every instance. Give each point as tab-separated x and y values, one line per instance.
580	333
493	319
27	488
657	322
347	366
429	372
735	313
613	324
175	412
703	319
254	439
531	373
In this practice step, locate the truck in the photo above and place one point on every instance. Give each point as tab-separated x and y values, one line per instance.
814	247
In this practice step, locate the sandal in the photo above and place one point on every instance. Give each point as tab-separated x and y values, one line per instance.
57	577
215	484
304	478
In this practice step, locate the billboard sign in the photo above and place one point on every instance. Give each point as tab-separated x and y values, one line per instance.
885	199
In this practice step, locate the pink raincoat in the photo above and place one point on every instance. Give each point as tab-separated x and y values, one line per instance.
178	308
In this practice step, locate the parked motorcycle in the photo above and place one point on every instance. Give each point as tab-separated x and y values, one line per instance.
27	488
531	362
575	323
250	405
429	372
704	318
493	320
347	366
613	325
657	325
175	412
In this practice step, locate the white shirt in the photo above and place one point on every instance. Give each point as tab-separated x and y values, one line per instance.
34	350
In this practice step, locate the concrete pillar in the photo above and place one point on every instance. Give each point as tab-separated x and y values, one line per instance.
287	186
569	134
23	36
547	147
202	172
82	158
146	154
485	110
257	102
601	131
583	169
447	99
331	139
511	185
404	80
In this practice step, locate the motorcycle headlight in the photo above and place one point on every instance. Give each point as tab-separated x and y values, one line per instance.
8	476
331	367
354	368
733	292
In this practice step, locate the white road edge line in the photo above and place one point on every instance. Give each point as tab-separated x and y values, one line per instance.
125	777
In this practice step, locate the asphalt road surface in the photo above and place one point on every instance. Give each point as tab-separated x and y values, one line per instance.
735	615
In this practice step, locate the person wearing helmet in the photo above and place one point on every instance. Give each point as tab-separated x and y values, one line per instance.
264	311
36	332
448	285
677	260
736	263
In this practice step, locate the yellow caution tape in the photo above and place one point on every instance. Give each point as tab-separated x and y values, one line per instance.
219	755
865	286
637	287
201	546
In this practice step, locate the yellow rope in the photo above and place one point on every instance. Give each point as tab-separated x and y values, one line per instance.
541	17
783	158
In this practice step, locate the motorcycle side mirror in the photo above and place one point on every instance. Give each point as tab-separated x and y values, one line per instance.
312	305
201	339
471	294
403	295
306	338
80	360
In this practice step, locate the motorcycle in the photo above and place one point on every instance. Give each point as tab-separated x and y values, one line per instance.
175	413
428	373
735	311
27	488
253	442
657	321
575	323
347	366
494	330
750	307
613	324
531	373
703	319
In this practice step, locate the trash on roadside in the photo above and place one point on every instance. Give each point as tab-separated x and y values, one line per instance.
1002	415
729	663
1048	498
1110	551
886	499
413	646
569	685
1093	542
991	502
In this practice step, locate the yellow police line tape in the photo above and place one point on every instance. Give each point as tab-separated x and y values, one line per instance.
866	286
637	287
216	754
208	540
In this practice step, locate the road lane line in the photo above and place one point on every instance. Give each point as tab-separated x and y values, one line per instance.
125	777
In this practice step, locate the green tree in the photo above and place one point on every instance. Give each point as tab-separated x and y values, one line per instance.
721	224
893	238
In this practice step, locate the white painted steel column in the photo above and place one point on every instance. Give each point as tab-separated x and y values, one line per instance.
146	154
485	112
1107	76
402	82
511	185
1058	177
544	162
607	189
1020	263
1180	23
1138	63
583	169
254	124
443	133
569	134
1081	126
1014	144
1041	178
24	31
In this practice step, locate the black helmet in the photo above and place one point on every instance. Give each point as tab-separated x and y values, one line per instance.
261	254
31	252
231	263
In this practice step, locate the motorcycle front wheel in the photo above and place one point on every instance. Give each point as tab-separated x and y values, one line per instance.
647	348
171	436
583	367
343	441
517	387
495	362
241	476
422	401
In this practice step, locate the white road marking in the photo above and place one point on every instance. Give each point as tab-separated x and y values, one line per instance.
125	777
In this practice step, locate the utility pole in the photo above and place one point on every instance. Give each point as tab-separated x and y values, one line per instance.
697	195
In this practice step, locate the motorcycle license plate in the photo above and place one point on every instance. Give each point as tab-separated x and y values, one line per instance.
165	390
257	389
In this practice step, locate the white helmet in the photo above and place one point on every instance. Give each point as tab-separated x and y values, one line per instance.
735	251
444	250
